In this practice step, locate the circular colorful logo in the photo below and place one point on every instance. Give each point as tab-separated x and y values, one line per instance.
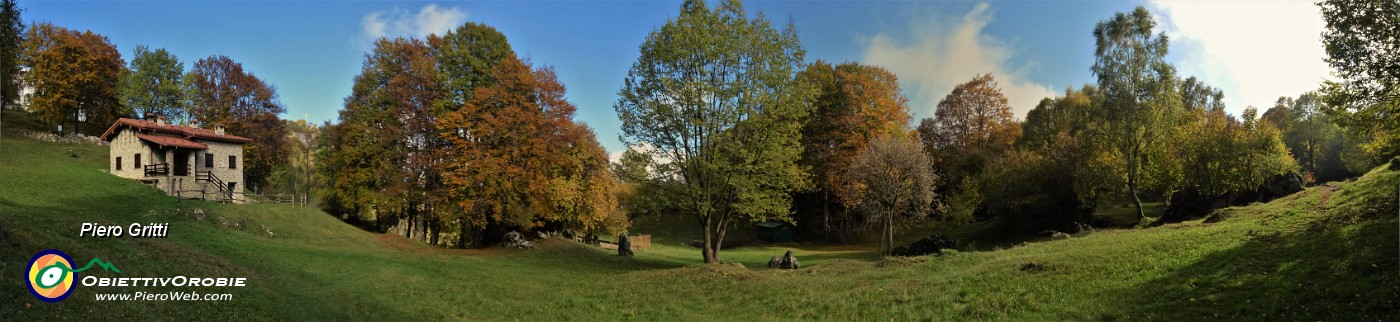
51	275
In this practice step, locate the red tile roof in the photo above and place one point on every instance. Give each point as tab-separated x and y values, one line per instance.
170	141
184	131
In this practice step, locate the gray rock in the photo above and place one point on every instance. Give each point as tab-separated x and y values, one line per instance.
516	240
624	245
789	261
775	262
1059	235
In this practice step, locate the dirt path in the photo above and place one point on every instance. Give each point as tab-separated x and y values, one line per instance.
1327	190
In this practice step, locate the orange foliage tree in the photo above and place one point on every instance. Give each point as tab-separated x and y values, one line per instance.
969	126
854	104
74	75
222	93
516	157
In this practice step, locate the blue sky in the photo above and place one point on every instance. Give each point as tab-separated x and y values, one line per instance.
311	50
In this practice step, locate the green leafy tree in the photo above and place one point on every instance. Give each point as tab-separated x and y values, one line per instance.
152	84
466	57
1055	173
298	175
1310	130
1195	94
713	92
892	178
1208	143
1138	97
1362	40
11	38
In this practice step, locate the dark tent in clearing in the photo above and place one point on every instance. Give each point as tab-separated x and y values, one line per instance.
776	232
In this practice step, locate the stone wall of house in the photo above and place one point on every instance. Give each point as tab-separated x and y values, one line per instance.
221	151
126	145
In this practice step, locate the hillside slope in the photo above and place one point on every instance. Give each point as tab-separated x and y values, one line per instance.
1328	253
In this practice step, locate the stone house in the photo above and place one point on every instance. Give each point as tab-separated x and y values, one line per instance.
183	161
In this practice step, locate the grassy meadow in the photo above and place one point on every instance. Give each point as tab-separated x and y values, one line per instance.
1327	253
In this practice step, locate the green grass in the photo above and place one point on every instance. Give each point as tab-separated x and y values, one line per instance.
1124	213
1295	258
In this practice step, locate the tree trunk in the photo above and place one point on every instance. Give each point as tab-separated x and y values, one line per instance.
408	233
1132	190
719	240
462	238
436	232
707	250
889	234
826	214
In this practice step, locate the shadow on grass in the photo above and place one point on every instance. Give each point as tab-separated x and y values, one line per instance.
1326	272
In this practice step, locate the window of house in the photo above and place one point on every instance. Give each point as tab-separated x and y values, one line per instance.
119	163
232	162
137	161
208	160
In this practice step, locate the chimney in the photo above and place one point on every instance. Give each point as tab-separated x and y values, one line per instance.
194	123
160	120
219	130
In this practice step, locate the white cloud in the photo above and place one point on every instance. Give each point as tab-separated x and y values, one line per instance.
398	22
1255	51
944	55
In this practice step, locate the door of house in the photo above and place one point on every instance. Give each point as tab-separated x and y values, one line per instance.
182	162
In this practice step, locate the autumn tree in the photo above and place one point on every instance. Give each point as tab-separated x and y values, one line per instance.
713	92
465	58
892	178
380	150
854	104
152	84
515	157
11	40
221	93
75	77
584	192
970	124
1138	97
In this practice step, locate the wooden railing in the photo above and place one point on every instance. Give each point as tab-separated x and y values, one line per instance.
213	179
158	169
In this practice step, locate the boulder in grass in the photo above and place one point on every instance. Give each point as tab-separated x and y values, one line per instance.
789	261
933	244
624	245
516	240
